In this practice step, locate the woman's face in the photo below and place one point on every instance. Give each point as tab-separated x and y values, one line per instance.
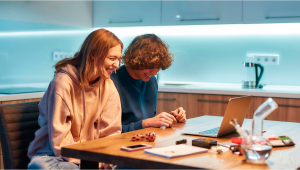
110	63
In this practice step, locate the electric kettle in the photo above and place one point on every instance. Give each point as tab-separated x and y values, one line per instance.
254	72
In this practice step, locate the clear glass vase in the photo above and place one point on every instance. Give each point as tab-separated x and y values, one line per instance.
256	149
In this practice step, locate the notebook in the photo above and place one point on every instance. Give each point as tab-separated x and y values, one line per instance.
236	109
175	151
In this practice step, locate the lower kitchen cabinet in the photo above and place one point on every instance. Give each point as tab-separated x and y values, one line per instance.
1	158
288	109
208	104
167	102
19	101
196	104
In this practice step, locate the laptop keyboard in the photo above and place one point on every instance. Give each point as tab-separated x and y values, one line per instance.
210	131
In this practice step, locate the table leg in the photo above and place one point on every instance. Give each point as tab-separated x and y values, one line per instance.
89	165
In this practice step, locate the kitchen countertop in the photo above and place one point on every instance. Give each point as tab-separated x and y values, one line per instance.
9	97
23	96
189	87
230	89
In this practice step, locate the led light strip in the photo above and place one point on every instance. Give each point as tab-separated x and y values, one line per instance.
211	30
183	30
43	33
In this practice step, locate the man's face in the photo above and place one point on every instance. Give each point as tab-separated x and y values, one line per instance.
145	74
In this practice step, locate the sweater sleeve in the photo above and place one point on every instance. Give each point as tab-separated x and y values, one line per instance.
132	126
59	125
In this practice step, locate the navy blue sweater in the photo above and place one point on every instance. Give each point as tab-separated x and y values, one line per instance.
138	99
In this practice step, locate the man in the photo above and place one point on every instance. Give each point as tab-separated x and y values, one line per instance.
137	85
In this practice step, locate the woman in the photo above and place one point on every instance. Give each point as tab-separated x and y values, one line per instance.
81	102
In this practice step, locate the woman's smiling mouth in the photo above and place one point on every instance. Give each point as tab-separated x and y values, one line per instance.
109	71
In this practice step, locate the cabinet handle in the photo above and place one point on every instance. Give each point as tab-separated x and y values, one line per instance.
215	101
117	22
204	19
286	105
166	98
282	17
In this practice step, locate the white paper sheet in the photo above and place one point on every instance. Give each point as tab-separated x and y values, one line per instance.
175	150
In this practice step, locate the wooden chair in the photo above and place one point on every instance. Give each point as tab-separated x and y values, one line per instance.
18	122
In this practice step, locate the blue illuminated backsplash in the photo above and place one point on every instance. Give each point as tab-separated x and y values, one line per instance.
26	54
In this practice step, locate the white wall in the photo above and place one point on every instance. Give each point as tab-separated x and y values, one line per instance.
67	13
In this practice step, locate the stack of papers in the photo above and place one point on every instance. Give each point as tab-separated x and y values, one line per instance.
175	151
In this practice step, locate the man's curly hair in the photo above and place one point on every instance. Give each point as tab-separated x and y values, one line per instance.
147	51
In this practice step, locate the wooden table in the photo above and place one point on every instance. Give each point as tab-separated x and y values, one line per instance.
108	149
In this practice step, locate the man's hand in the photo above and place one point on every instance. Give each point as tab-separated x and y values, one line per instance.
105	166
162	119
179	114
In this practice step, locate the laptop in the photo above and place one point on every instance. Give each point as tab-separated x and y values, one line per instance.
236	109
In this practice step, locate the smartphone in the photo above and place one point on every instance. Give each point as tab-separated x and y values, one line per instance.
135	147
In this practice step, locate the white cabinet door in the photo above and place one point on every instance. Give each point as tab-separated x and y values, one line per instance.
201	12
126	13
33	14
271	12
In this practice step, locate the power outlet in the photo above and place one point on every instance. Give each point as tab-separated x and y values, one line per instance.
264	59
57	56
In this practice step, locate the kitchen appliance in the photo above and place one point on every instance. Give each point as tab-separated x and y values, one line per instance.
254	72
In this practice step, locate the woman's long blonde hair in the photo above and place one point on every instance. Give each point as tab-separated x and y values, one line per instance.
96	44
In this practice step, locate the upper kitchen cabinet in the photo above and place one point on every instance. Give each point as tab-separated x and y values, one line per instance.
271	12
42	15
201	12
126	13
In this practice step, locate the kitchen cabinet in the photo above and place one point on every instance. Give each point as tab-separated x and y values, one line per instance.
288	109
271	12
19	101
196	104
126	13
201	12
31	15
167	102
208	104
1	160
154	13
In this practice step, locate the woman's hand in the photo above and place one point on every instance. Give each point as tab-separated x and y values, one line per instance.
162	119
179	114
